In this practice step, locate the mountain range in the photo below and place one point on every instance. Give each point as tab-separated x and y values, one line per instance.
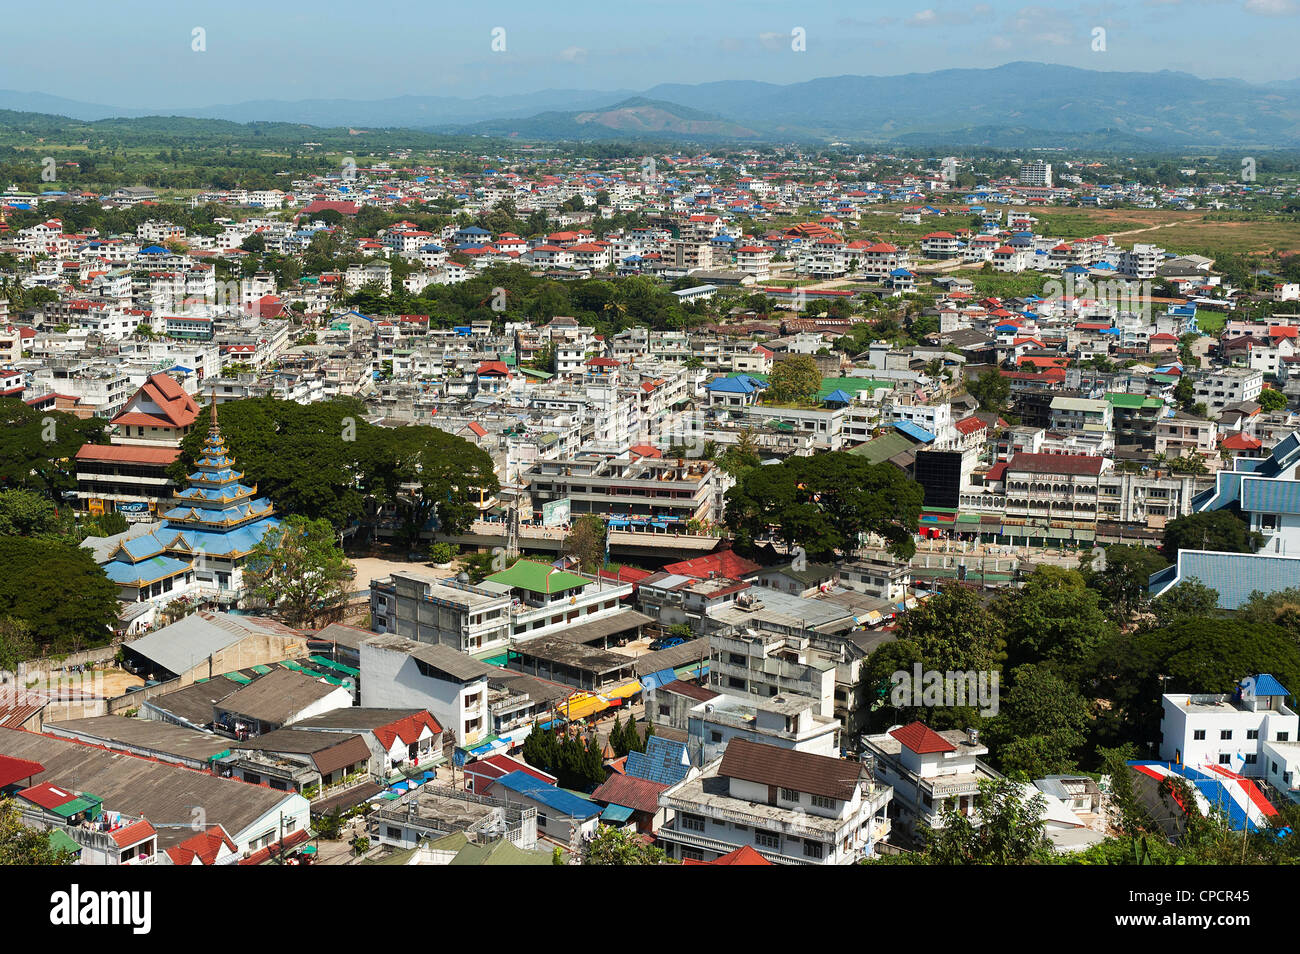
1014	104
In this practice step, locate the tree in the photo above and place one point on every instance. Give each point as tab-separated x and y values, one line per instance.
58	591
621	846
954	630
299	570
794	377
38	449
992	390
26	513
1010	831
16	643
1271	400
586	541
1209	530
441	552
825	502
1281	608
1124	580
1040	728
1054	616
24	845
1190	599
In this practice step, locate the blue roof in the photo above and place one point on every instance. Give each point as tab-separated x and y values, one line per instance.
153	250
915	431
663	761
616	813
1270	495
566	803
1234	575
736	385
838	396
1267	685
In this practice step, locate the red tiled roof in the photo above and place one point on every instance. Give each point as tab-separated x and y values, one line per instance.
128	453
46	795
205	846
1240	441
638	794
922	740
725	563
1072	464
744	855
133	833
969	425
407	729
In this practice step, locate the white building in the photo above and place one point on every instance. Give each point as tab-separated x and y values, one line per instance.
792	807
399	673
1247	732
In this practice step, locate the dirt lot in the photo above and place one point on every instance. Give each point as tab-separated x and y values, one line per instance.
114	682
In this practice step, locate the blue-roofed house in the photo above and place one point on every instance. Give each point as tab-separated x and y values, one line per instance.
738	390
663	761
561	815
1267	494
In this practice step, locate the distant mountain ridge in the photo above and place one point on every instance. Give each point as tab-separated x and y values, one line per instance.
1058	104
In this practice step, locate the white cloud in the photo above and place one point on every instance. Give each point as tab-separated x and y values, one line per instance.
1271	8
574	54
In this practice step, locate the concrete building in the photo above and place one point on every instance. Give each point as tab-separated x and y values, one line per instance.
792	807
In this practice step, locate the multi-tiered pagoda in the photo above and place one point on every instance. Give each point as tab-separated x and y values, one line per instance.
203	540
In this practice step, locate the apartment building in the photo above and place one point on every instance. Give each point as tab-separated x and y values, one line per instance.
1219	389
928	771
418	605
645	486
791	807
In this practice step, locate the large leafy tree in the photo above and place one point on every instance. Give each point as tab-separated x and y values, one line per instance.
586	541
299	570
991	389
1190	599
26	513
954	630
1010	829
38	448
1281	607
23	845
1124	580
1040	729
1054	616
324	460
794	377
824	502
619	846
1209	530
58	591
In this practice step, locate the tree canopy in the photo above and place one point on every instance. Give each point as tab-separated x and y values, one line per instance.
58	591
324	461
38	449
824	502
299	571
1209	530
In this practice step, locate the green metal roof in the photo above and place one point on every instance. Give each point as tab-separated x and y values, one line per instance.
882	448
60	840
1121	399
538	578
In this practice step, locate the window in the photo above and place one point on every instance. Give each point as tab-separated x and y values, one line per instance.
1283	736
692	822
394	833
1199	735
1225	759
767	839
715	737
1252	733
692	854
1225	734
1251	758
789	795
813	849
821	801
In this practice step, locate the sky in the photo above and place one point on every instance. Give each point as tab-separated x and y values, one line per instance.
142	53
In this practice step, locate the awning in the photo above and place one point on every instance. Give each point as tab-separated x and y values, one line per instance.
616	813
625	691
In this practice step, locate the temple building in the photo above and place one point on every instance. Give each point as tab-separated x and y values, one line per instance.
203	541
